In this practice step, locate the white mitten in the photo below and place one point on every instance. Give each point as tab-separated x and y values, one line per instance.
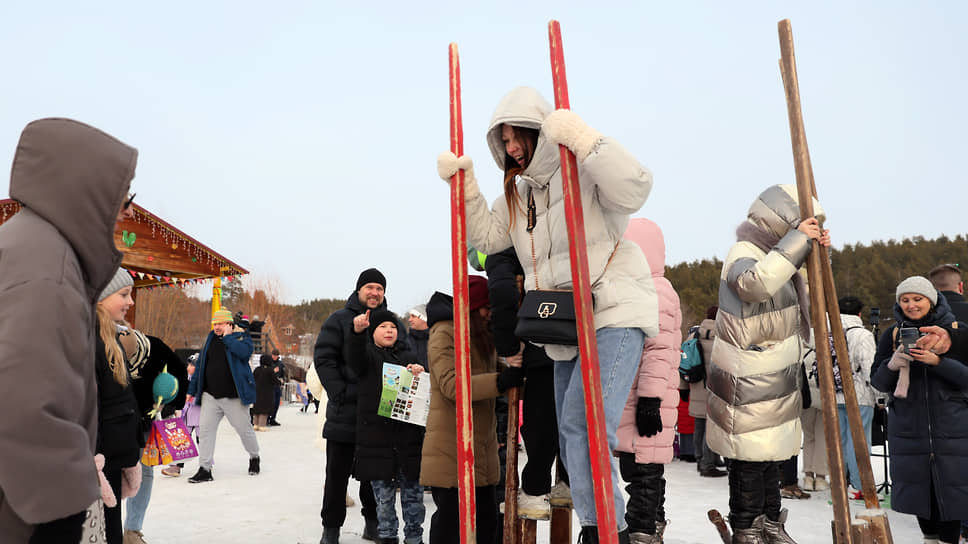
901	362
107	494
448	164
130	481
565	127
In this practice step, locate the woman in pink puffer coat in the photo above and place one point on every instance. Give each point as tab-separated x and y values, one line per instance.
647	428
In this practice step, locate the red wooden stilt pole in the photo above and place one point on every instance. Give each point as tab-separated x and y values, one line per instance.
462	357
588	346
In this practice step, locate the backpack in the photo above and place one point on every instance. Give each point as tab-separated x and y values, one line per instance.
692	368
838	381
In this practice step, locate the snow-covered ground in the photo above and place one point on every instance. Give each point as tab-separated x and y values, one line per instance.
282	504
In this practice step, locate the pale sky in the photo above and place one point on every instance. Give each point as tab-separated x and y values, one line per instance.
299	139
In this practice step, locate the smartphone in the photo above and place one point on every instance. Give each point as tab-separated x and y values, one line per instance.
909	338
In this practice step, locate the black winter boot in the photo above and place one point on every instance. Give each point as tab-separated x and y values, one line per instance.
202	475
370	530
253	466
330	535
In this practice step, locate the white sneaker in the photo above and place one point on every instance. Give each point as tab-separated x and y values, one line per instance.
560	495
808	483
820	483
533	506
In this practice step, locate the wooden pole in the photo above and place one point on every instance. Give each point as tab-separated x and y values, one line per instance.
838	490
462	357
587	344
511	526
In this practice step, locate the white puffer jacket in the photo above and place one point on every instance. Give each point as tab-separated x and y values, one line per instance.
613	186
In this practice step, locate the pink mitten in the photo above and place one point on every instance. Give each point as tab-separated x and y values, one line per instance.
901	362
107	494
130	481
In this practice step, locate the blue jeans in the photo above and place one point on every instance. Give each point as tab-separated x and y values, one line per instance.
136	507
619	353
847	441
411	501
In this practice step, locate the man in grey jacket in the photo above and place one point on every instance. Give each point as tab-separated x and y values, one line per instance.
56	255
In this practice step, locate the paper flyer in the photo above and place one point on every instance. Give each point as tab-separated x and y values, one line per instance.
405	397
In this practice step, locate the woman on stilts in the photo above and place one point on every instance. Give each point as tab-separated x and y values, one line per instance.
523	137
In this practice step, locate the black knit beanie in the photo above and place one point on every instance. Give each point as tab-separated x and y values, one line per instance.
379	316
371	275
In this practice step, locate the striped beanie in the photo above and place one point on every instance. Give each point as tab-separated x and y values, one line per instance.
222	316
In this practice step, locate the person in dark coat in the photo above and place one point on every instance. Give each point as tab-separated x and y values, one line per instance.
148	357
419	332
331	358
926	428
946	278
540	427
387	450
265	384
119	435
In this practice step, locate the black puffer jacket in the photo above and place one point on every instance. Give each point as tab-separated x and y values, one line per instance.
331	357
119	435
927	430
384	446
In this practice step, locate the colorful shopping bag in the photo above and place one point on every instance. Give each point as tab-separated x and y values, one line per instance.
173	440
150	456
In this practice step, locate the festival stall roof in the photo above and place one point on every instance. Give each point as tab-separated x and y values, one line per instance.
157	253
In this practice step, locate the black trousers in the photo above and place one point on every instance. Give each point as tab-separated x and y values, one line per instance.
60	531
945	531
754	489
445	523
277	395
646	489
339	464
788	472
112	516
540	430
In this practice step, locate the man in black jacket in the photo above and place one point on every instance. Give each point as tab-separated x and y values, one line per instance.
946	278
335	373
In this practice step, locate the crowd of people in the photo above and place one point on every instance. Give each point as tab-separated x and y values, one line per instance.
751	414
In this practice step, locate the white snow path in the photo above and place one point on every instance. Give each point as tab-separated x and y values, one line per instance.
281	505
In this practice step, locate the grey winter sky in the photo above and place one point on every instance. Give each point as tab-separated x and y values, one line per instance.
299	139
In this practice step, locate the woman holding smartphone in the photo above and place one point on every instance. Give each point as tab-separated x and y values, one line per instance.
927	431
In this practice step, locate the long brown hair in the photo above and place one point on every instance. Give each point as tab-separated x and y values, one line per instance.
528	138
112	349
481	339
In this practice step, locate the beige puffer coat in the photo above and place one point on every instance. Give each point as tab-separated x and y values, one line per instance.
753	408
613	186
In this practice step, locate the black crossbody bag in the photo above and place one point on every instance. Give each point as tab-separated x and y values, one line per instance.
547	316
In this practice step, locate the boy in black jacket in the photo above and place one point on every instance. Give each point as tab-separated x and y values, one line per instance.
387	450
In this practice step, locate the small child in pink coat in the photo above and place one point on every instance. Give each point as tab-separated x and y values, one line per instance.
646	431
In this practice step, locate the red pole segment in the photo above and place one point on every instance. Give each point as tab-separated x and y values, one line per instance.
462	356
588	346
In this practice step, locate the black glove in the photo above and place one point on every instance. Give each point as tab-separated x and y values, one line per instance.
513	376
647	417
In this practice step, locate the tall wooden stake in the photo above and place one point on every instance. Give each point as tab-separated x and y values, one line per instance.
462	357
512	533
838	490
588	346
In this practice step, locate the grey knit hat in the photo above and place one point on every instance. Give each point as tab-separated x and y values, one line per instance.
120	280
919	285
